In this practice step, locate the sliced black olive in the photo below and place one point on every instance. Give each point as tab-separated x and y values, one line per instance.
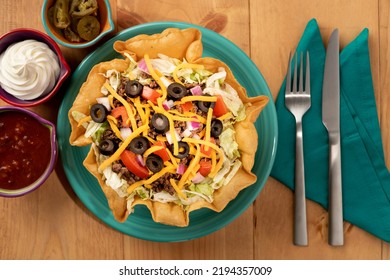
98	113
205	105
107	147
184	149
133	88
216	128
176	91
139	145
160	123
154	163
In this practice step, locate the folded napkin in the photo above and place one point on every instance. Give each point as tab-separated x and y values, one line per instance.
365	178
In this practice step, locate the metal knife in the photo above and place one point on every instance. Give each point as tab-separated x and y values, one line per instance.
331	120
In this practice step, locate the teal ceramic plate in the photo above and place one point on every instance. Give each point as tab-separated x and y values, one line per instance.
203	221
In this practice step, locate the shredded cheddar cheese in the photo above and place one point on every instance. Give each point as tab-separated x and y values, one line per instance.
194	162
228	115
188	115
213	160
177	189
167	169
114	128
197	98
124	103
208	127
151	150
157	79
114	120
213	146
83	120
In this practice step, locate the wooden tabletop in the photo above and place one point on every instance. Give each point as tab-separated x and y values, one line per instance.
52	223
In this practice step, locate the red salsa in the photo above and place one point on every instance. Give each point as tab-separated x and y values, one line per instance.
25	150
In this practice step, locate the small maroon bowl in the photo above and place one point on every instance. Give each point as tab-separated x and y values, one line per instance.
37	162
21	34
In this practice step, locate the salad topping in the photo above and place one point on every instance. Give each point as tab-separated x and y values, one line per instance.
163	130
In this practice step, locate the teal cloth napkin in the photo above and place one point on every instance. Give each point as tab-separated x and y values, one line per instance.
366	180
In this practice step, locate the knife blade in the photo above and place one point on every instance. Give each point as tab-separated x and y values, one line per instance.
331	120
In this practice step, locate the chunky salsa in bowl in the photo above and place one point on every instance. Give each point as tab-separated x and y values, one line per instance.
28	151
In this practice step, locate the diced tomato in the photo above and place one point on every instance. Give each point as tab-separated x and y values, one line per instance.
150	94
203	150
205	167
220	108
187	107
163	152
120	112
129	159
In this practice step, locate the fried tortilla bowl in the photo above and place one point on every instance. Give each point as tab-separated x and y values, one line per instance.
189	48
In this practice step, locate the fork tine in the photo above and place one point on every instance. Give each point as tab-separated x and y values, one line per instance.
288	76
300	89
307	83
295	74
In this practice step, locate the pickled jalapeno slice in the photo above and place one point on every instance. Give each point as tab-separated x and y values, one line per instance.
88	28
81	8
61	17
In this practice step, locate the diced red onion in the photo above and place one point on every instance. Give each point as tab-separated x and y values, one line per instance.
142	66
196	90
140	160
196	136
169	136
125	132
167	104
197	178
193	125
105	102
181	168
186	133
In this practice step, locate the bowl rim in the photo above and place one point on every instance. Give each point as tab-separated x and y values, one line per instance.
78	45
53	158
65	70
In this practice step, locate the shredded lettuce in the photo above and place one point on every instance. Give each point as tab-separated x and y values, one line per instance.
165	66
163	197
92	128
233	171
202	188
216	79
97	135
77	116
228	143
193	197
142	193
230	98
112	179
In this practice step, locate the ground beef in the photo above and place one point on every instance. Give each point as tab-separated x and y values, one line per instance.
116	167
186	160
152	134
108	134
163	184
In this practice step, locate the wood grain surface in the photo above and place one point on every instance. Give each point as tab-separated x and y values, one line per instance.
52	223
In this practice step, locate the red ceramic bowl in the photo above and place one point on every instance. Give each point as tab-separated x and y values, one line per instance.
22	34
36	163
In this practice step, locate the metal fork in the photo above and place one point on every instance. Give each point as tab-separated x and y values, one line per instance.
298	102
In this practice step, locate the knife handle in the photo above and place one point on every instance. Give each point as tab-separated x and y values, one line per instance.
336	231
300	224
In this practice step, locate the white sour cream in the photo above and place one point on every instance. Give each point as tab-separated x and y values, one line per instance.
28	69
